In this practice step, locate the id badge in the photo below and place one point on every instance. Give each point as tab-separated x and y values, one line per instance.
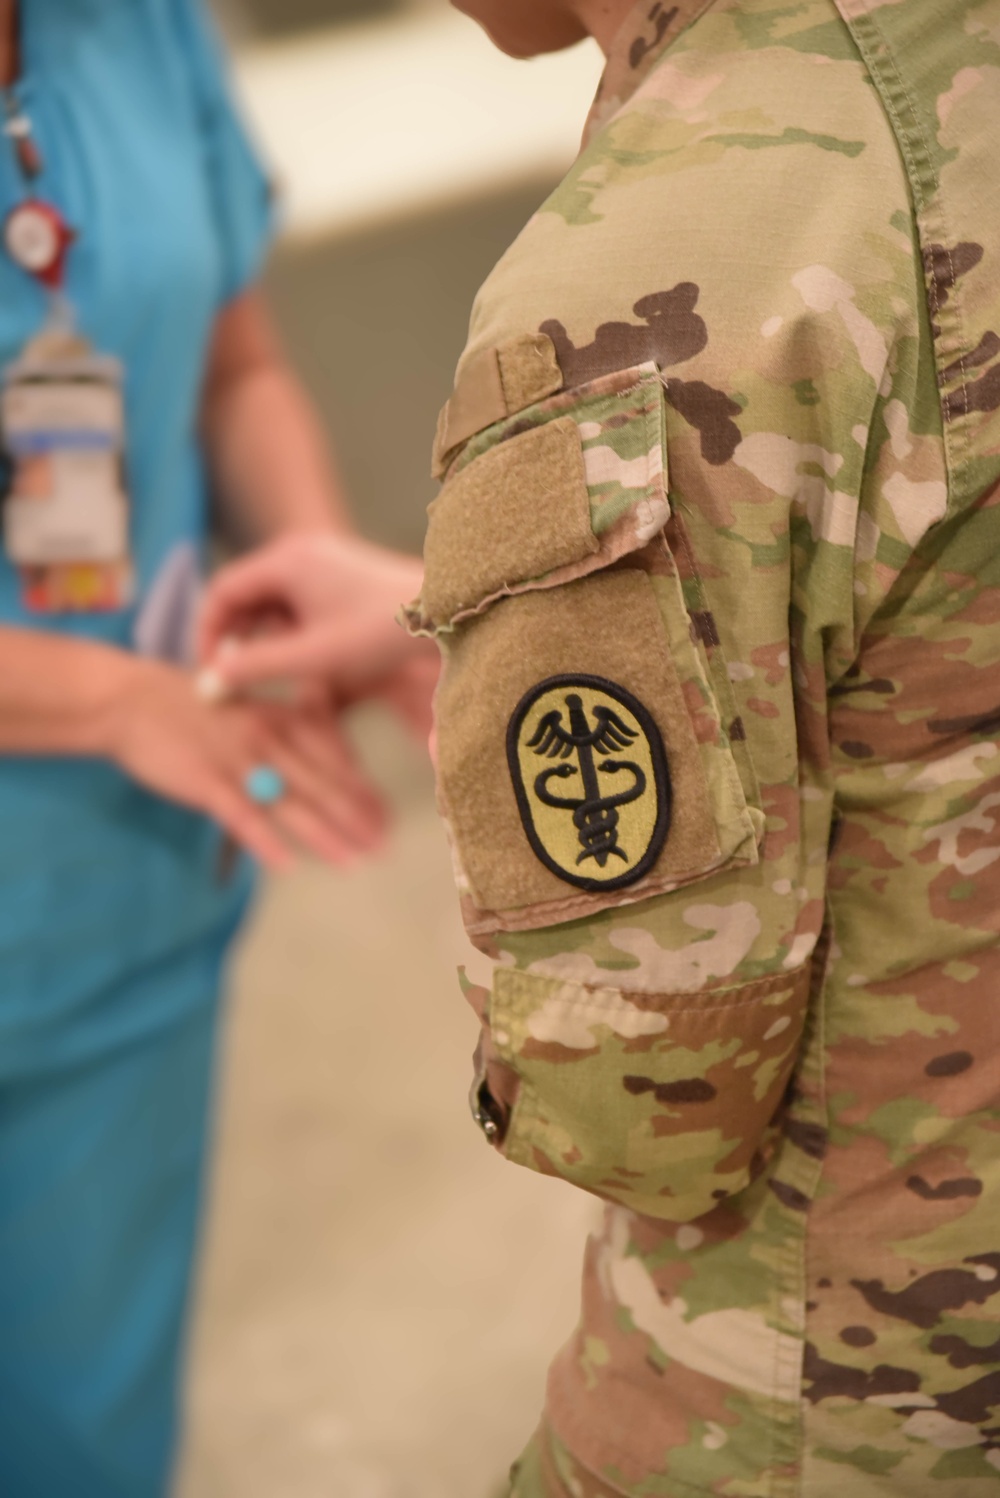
66	514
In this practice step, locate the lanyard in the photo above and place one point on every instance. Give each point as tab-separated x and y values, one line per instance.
35	234
65	517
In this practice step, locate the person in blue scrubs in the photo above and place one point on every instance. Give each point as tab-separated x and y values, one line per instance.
122	795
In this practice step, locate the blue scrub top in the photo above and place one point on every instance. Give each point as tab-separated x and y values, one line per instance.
106	890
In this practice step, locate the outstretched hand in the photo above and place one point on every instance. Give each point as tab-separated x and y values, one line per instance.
199	756
330	604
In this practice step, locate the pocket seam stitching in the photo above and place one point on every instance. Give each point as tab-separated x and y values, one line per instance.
761	988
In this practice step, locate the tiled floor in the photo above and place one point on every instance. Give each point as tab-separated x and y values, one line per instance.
381	1294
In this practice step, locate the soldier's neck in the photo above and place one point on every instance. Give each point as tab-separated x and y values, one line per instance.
603	19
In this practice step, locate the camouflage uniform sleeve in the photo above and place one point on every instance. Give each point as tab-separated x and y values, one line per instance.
693	442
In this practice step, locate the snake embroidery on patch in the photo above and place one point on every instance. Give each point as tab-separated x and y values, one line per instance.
591	779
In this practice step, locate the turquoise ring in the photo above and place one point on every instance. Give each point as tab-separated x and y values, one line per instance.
264	785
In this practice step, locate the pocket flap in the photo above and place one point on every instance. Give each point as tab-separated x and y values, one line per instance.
563	488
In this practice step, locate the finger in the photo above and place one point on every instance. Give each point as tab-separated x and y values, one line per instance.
332	817
318	739
351	651
310	831
242	588
336	802
313	650
410	694
250	827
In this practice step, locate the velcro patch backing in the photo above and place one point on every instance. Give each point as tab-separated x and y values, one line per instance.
492	384
520	511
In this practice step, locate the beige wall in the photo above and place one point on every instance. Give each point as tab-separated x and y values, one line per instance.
376	323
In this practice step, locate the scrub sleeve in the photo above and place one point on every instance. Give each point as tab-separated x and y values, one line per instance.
114	920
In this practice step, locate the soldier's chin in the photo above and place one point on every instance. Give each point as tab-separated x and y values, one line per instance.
522	35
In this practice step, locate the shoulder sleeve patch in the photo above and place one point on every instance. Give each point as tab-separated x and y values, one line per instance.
591	780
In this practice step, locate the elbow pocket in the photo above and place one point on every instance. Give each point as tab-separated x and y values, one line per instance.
666	1103
588	751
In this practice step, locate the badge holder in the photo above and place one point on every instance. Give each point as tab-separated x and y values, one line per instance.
66	513
65	519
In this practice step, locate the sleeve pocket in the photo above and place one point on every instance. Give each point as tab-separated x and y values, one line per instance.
585	754
665	1102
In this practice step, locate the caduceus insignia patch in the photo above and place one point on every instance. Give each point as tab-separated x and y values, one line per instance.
591	779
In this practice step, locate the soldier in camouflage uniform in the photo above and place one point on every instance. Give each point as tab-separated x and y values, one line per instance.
715	571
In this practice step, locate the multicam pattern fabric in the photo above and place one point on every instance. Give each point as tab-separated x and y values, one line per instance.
785	1076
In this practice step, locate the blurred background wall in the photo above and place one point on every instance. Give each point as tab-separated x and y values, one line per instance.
407	153
381	1295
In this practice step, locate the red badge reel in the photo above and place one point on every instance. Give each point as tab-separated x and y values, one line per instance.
37	238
